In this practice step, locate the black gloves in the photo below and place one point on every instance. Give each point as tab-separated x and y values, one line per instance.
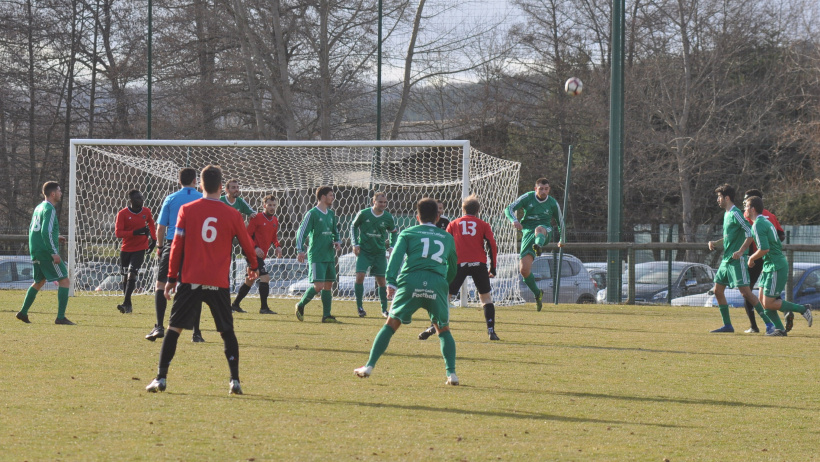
151	246
141	232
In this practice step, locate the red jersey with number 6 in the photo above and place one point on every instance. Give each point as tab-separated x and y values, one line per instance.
470	234
203	243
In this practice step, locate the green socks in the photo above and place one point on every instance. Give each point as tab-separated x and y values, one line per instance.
789	306
327	299
380	344
383	298
762	313
530	281
448	351
308	296
31	294
724	313
62	301
775	319
358	289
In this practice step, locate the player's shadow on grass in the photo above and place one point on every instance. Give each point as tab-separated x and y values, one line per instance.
416	408
653	399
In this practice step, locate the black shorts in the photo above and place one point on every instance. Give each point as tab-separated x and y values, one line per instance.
260	266
131	261
479	273
188	303
164	259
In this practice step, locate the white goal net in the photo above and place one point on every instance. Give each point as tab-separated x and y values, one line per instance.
103	171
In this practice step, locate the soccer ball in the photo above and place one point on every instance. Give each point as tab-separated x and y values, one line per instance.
573	86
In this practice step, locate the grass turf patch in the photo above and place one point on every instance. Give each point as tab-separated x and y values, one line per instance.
574	382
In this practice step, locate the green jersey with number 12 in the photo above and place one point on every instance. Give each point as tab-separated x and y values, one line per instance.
427	248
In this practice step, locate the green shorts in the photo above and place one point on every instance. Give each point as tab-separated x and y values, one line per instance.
528	239
733	273
323	271
375	262
773	282
421	289
45	268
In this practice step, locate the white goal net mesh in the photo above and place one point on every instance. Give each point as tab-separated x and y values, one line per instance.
104	173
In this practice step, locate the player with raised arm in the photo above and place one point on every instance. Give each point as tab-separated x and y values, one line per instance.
473	237
166	229
232	198
200	262
733	270
320	228
43	245
135	226
422	283
262	229
539	211
775	268
369	233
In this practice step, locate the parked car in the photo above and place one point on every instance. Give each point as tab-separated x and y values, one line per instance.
652	281
576	284
17	272
113	282
90	274
283	272
806	290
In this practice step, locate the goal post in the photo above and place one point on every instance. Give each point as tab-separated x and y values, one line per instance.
103	171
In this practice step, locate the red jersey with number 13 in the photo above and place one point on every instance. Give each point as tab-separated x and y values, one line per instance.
204	237
470	233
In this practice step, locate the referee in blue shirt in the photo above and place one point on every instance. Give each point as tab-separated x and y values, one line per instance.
165	235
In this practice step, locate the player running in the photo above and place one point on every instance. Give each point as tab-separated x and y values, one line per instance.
134	225
43	239
473	236
754	271
422	283
539	211
775	268
733	270
369	233
321	227
262	229
204	240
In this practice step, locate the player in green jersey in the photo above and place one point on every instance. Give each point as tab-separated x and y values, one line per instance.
775	268
422	283
43	239
733	270
321	228
539	211
231	197
369	234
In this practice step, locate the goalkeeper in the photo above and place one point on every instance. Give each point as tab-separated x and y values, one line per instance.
539	211
369	234
134	224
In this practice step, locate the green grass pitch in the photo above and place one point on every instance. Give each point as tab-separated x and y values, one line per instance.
574	382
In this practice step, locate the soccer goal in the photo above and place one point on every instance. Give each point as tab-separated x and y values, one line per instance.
103	171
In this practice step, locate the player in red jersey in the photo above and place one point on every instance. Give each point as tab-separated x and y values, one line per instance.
470	234
205	230
262	229
134	225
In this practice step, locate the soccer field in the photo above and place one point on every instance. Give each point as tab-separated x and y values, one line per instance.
573	382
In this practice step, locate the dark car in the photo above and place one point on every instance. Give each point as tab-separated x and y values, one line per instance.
652	281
